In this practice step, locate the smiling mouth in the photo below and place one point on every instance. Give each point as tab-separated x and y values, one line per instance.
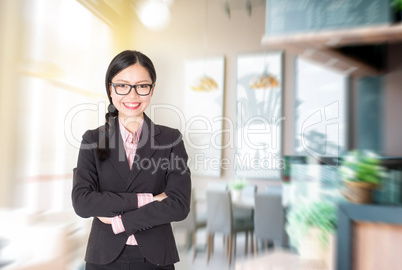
132	106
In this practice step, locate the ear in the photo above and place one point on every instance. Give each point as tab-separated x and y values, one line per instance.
110	89
153	88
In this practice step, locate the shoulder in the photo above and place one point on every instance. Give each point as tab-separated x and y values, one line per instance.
168	134
171	138
93	134
163	133
165	130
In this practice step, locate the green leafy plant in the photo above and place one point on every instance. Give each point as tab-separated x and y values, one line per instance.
318	214
237	184
397	4
362	166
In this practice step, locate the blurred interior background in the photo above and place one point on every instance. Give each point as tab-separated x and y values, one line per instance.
53	59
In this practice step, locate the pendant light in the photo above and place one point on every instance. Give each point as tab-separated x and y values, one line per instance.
154	14
205	83
265	80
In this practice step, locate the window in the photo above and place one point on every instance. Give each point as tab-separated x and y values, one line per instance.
320	111
64	58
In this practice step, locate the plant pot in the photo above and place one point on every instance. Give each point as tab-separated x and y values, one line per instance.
397	16
310	247
330	254
236	194
312	250
358	192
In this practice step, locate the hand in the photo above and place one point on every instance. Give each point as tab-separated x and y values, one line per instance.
105	220
160	197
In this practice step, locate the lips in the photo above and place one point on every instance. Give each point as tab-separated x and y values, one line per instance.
132	105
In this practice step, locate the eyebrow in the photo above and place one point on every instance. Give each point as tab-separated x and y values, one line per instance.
127	82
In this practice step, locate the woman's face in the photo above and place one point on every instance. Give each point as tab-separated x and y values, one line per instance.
131	105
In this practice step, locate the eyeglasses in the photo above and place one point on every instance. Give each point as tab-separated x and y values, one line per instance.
125	89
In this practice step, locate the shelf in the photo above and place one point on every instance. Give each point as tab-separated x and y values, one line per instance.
323	46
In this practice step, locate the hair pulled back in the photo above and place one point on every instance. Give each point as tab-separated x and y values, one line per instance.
121	61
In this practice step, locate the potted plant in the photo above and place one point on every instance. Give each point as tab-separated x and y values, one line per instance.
361	173
397	7
310	227
397	10
236	188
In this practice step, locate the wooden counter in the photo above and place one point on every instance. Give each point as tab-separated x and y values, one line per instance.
369	237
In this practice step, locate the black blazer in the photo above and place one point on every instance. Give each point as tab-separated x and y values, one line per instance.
109	188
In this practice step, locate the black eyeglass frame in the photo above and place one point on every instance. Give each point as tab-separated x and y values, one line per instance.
151	85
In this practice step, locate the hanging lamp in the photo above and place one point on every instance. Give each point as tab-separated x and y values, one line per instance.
264	81
154	14
205	83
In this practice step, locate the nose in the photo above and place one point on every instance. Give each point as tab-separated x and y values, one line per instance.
133	93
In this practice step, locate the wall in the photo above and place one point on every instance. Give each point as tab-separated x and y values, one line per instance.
391	144
185	39
393	99
10	28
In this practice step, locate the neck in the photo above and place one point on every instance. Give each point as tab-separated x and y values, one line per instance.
131	123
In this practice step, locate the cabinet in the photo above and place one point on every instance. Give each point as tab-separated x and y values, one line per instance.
367	237
334	48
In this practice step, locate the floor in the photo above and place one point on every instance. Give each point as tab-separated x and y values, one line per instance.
279	260
271	259
218	260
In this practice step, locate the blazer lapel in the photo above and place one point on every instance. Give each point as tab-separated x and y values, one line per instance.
117	152
147	146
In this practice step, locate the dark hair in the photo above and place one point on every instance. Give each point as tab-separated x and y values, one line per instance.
121	61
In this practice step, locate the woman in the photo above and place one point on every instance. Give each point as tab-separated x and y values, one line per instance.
131	176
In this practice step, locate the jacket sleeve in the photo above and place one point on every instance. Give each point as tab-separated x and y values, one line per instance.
86	199
178	189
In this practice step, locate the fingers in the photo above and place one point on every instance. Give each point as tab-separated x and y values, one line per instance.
160	197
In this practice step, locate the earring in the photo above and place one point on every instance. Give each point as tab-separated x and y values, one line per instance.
113	112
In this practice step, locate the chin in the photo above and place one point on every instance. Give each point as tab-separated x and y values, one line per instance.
132	114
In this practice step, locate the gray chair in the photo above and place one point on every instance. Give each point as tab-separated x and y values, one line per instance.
269	220
247	194
191	224
249	191
220	220
274	189
217	185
